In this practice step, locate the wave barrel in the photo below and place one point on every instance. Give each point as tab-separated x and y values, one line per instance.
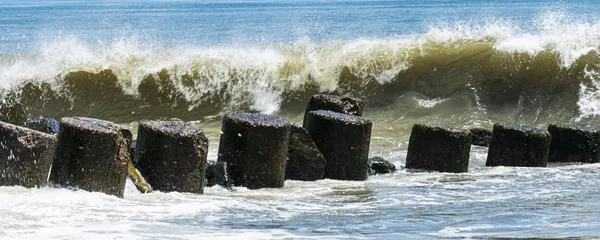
347	105
574	144
25	156
171	155
344	141
255	148
92	154
439	149
518	146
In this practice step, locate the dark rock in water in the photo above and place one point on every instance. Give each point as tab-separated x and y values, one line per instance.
47	125
439	149
481	137
347	105
13	113
305	161
344	141
574	144
216	174
255	149
92	154
520	146
171	155
25	156
378	165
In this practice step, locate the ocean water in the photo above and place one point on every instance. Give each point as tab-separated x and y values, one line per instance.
468	63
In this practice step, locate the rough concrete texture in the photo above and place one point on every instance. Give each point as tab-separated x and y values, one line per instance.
481	137
347	105
344	141
255	149
171	155
572	143
25	156
520	146
92	154
305	161
138	180
439	149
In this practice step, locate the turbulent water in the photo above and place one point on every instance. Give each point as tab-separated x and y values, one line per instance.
455	63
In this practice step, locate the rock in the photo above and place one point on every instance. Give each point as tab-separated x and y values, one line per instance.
344	141
216	174
439	149
92	154
519	146
13	113
25	156
481	137
171	155
347	105
255	149
305	161
378	165
46	125
571	143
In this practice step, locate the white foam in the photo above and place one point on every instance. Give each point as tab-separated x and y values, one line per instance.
589	96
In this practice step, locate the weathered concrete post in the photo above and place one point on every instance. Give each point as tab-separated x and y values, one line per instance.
518	146
305	161
92	154
171	155
347	105
255	148
574	144
439	149
25	156
344	141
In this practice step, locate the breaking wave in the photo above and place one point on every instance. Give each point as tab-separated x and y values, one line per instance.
549	72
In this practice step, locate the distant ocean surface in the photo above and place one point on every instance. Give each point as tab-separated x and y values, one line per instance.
467	63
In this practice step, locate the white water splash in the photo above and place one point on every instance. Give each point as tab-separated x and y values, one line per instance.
589	96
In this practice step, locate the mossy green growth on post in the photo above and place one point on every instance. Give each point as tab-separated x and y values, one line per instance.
344	141
255	149
572	143
138	180
518	146
439	149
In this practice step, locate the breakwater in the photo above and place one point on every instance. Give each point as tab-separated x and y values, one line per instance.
255	150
